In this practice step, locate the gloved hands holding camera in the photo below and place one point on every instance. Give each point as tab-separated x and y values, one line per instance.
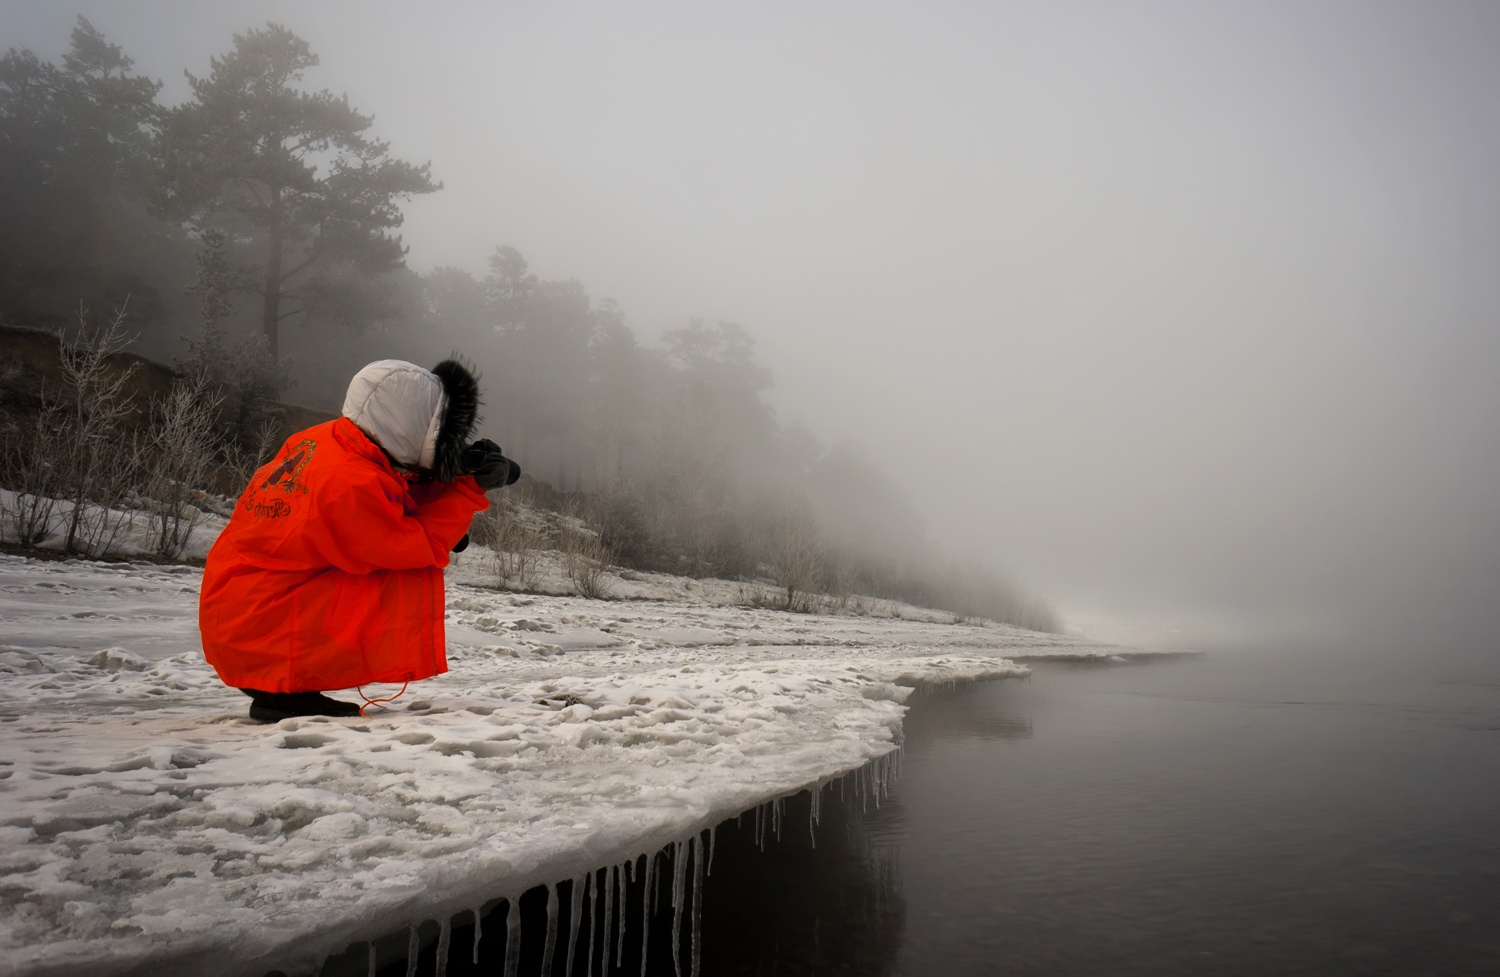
490	468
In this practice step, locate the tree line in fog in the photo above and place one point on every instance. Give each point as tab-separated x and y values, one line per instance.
249	236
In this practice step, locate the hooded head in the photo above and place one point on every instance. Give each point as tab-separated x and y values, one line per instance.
422	418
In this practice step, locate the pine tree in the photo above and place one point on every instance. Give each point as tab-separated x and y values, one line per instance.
75	142
297	170
247	367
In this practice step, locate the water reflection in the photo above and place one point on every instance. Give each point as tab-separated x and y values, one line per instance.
1190	820
827	900
966	713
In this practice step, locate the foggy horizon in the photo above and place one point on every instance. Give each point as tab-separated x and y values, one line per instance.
1185	317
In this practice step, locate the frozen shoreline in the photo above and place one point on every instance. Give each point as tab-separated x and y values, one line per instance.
147	824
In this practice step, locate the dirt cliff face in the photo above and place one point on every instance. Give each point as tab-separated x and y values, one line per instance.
31	369
31	375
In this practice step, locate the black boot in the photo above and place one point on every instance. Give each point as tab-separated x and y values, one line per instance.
273	707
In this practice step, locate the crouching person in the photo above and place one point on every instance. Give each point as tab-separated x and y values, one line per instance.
330	573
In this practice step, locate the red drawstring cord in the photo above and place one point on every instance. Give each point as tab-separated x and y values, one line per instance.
378	702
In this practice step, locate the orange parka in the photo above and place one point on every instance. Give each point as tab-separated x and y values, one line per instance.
330	573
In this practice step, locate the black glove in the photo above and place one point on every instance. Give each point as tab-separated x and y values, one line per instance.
462	544
490	468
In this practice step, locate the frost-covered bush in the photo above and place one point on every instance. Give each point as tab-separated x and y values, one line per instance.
96	470
794	555
32	475
74	461
517	535
96	459
183	459
586	558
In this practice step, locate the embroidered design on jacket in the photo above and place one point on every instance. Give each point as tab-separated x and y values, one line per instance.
285	478
287	475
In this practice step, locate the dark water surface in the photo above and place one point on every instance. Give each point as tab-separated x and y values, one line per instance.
1216	816
1230	815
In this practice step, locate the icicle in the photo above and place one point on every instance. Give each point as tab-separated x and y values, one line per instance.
777	809
478	932
512	937
620	899
590	897
711	831
371	959
575	909
413	947
445	935
679	877
653	879
695	849
885	768
812	815
607	921
646	914
551	944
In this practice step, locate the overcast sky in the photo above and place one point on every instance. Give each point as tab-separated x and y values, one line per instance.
1186	314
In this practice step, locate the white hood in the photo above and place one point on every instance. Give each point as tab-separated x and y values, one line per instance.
400	406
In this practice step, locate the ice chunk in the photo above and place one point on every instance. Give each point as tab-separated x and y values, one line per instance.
117	659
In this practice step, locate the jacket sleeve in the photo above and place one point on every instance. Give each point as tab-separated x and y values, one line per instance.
369	522
447	509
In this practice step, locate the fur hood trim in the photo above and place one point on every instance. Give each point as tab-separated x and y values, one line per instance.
455	428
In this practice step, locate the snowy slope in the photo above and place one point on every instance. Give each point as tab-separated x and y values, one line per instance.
145	824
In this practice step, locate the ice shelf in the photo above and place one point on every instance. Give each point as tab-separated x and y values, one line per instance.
147	825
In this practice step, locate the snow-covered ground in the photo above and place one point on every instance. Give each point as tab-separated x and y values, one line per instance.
146	824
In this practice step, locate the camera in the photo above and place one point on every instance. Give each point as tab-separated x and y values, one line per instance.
487	463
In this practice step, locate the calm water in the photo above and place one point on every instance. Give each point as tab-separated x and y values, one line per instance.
1221	816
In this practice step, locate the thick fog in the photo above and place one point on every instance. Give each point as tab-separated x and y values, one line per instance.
1188	315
